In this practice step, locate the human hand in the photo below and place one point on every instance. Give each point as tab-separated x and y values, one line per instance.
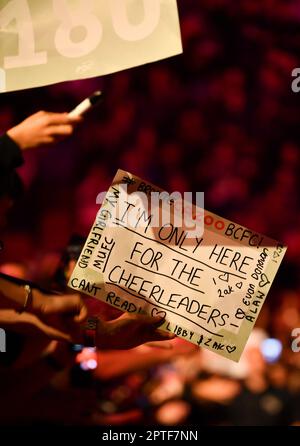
216	389
129	331
43	128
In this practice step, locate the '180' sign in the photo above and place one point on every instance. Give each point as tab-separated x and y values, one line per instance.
36	34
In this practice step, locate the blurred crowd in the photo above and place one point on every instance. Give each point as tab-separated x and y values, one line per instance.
221	118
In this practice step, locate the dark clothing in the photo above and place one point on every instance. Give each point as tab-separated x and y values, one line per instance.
10	154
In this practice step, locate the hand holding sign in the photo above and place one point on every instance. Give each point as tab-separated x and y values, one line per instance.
129	331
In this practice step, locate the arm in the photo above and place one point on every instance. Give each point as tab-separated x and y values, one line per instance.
37	332
60	316
41	128
129	331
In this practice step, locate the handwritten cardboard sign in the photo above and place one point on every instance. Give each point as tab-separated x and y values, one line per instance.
49	41
209	288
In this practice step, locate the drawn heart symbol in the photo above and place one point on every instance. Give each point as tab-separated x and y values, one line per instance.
240	314
239	285
230	349
155	313
224	277
263	280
